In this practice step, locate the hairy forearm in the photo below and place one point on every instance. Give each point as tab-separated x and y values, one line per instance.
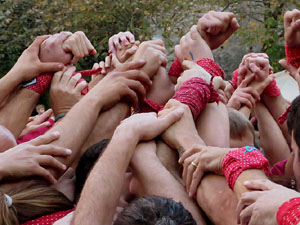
106	124
277	106
271	137
97	205
155	179
14	115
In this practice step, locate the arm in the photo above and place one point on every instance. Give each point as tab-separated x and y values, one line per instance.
154	179
99	208
271	137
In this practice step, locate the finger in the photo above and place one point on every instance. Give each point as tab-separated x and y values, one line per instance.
30	119
49	161
130	37
248	96
137	87
67	75
253	92
49	149
247	81
247	199
186	165
187	64
56	78
111	45
42	172
85	47
80	86
116	42
189	177
123	39
296	26
132	96
245	215
73	80
246	102
170	118
38	126
131	51
289	67
132	65
138	75
76	53
35	45
187	154
45	139
260	184
197	176
107	61
43	117
50	67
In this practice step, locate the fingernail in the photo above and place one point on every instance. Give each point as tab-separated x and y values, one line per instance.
179	111
64	167
134	47
60	66
56	133
247	182
68	151
77	75
47	124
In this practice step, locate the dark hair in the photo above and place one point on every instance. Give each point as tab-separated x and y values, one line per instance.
154	210
86	163
293	120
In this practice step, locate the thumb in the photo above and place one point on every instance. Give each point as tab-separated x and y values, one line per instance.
170	118
296	26
187	65
51	67
289	67
260	184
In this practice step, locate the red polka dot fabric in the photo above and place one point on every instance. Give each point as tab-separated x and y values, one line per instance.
236	161
149	106
208	64
42	83
289	212
293	56
196	93
49	219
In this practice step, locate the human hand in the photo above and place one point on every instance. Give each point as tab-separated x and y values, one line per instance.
228	91
198	160
115	42
182	129
244	95
293	71
79	45
147	126
292	28
33	157
216	27
192	47
126	81
29	64
52	51
260	206
154	54
37	122
254	63
64	91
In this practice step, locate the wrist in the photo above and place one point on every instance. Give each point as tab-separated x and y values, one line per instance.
14	78
186	142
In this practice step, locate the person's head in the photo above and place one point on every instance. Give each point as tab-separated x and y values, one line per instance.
293	123
86	163
7	139
40	109
241	130
30	200
154	210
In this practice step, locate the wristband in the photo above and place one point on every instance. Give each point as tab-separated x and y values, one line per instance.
208	64
293	56
149	106
237	161
59	117
235	76
284	115
40	83
289	212
196	93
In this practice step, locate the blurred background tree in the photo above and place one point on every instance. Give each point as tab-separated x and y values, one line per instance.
22	20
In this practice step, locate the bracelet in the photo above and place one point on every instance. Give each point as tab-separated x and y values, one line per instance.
59	117
289	212
237	161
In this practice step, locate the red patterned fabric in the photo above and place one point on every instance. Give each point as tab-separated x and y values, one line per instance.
49	219
234	79
196	93
293	56
42	81
208	64
284	115
278	168
289	212
236	161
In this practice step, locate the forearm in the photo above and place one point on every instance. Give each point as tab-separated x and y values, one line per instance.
14	115
271	137
8	84
155	179
277	106
246	175
106	124
213	125
97	205
246	111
